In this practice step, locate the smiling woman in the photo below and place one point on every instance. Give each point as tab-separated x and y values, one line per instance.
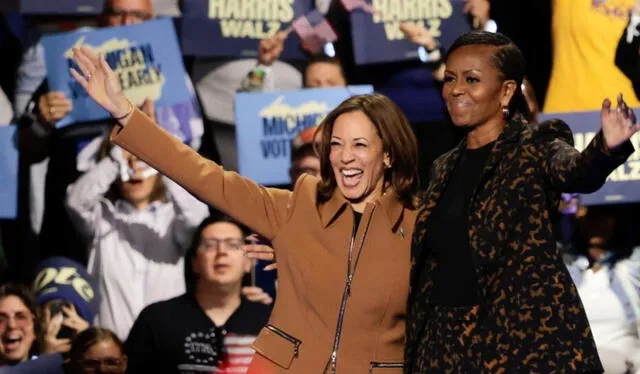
18	330
333	236
490	292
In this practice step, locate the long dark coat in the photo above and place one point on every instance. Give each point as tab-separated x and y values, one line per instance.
530	318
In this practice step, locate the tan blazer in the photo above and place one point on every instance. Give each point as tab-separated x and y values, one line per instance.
312	244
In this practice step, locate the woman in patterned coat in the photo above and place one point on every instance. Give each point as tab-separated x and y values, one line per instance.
489	290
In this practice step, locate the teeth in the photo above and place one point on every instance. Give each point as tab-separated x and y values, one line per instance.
350	172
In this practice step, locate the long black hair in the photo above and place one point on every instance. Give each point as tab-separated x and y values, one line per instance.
508	59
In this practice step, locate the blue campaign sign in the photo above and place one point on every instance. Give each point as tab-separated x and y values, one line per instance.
266	123
146	58
52	7
623	185
377	37
8	172
234	28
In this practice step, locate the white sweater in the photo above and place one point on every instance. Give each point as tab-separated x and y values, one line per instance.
136	256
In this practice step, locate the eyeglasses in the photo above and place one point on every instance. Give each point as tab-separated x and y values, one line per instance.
121	13
21	319
103	364
211	244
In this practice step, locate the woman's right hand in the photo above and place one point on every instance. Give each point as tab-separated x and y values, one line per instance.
53	106
101	83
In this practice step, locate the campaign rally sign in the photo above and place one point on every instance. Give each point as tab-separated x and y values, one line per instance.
52	7
623	185
234	28
8	172
377	37
145	57
266	123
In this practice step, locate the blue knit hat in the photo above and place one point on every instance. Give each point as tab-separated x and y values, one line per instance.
62	278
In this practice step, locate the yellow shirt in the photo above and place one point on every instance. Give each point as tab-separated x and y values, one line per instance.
585	37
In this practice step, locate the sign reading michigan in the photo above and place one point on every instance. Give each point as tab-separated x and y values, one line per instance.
145	57
377	37
234	28
266	123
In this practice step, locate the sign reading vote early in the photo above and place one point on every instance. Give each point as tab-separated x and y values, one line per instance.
234	28
377	37
145	57
266	123
623	184
52	7
8	172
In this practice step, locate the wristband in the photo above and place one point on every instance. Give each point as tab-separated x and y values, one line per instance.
126	114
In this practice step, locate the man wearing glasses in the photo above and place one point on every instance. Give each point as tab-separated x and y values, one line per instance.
211	327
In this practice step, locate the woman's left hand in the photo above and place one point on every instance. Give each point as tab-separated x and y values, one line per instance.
617	125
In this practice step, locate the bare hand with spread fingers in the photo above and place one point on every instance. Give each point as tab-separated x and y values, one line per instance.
101	83
617	125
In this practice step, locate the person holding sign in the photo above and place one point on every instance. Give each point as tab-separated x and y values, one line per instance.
334	237
490	292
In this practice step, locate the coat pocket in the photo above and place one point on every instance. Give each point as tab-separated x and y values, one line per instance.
385	367
277	346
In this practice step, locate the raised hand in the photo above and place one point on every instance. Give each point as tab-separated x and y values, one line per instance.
270	48
617	125
100	82
418	34
479	10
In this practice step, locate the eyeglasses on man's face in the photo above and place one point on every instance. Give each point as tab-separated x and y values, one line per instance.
214	244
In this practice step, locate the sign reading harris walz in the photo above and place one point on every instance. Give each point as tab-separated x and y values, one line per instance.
234	28
377	37
623	184
145	57
266	123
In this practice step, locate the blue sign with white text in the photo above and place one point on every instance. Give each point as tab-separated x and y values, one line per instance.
266	123
234	28
52	7
145	57
8	172
623	184
377	37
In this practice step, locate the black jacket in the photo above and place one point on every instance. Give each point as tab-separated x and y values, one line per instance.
532	319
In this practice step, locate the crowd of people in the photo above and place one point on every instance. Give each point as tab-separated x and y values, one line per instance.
432	226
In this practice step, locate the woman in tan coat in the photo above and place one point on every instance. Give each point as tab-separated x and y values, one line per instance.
342	241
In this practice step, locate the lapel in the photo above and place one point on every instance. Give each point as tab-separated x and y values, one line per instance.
442	170
389	203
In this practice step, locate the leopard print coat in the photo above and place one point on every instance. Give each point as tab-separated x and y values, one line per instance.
530	317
